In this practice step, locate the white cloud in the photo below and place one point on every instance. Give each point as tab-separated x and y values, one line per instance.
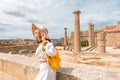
55	14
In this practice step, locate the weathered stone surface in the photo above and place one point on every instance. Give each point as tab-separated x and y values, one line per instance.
16	67
77	31
31	72
72	39
65	36
116	46
101	47
7	49
1	64
66	47
23	51
12	52
91	34
112	36
100	43
5	76
32	51
65	76
70	48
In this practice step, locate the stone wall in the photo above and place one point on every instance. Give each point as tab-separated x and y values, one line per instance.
112	38
7	49
84	36
16	67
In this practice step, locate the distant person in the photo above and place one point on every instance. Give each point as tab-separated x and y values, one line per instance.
45	71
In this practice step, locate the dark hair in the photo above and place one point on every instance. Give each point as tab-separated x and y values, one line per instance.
48	39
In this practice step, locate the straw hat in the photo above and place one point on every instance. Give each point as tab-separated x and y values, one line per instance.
40	29
34	27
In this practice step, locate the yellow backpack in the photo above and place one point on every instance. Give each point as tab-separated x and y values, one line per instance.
54	61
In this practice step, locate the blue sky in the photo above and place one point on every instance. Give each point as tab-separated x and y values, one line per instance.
16	16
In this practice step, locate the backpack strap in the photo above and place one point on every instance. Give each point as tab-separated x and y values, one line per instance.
43	45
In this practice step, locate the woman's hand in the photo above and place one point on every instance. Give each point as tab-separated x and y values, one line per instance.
43	36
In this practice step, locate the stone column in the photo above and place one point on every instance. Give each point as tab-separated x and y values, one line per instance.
72	38
77	31
65	36
101	47
91	34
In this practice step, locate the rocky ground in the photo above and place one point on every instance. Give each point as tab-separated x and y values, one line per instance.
110	50
90	58
105	60
85	65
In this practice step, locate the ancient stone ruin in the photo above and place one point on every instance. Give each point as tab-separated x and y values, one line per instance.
91	35
97	40
101	42
77	32
65	36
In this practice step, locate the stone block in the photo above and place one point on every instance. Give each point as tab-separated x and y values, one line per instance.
23	51
0	65
31	73
13	52
116	46
62	76
100	44
15	69
5	76
67	48
100	36
101	49
70	48
32	51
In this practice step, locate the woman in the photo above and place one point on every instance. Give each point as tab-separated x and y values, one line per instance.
45	71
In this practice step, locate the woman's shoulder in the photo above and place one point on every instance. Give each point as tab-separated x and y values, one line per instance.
49	44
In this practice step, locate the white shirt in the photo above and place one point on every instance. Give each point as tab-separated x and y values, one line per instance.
49	48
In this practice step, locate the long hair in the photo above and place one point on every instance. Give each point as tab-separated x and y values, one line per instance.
48	39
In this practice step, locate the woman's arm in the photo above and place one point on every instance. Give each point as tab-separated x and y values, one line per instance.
50	49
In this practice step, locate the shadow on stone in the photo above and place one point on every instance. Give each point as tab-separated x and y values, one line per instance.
65	74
